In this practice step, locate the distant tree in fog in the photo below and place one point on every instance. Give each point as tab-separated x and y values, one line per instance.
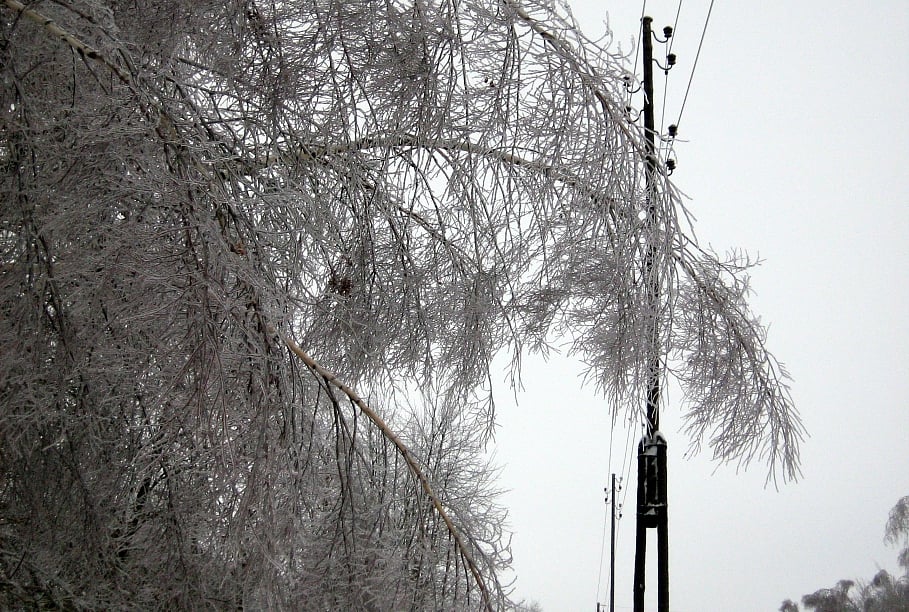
883	593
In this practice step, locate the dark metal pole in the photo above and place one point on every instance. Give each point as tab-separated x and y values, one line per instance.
653	286
652	510
662	531
640	548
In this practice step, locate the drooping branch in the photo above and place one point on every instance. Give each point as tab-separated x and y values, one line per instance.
589	74
83	49
743	398
307	152
405	453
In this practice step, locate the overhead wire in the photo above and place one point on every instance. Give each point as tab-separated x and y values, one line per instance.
629	451
678	121
606	513
605	516
695	66
606	510
637	49
625	474
629	90
675	28
602	553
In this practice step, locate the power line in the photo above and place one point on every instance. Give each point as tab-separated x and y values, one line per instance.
602	547
675	25
625	462
626	475
603	537
675	28
694	67
637	50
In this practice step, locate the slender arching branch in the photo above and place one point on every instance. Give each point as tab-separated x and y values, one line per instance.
166	126
589	75
405	453
310	151
307	152
77	45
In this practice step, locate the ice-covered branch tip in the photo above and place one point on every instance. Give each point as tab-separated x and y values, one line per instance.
737	392
898	522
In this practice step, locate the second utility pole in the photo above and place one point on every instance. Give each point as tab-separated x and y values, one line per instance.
651	498
612	552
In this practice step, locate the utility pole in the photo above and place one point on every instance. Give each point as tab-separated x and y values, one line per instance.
651	493
612	551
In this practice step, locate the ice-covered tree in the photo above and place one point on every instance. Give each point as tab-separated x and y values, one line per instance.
256	258
883	593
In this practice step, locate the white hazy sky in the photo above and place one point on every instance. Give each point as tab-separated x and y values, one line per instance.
796	150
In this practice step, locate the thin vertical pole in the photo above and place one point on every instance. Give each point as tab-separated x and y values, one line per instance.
612	552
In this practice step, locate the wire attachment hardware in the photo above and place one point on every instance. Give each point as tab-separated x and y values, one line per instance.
629	85
670	62
632	114
667	34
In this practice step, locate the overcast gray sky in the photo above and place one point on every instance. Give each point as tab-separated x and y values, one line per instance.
796	128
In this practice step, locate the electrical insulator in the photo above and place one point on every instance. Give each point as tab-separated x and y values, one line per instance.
667	31
670	163
670	60
673	130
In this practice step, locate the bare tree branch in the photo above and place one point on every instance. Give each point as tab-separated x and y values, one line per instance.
407	456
